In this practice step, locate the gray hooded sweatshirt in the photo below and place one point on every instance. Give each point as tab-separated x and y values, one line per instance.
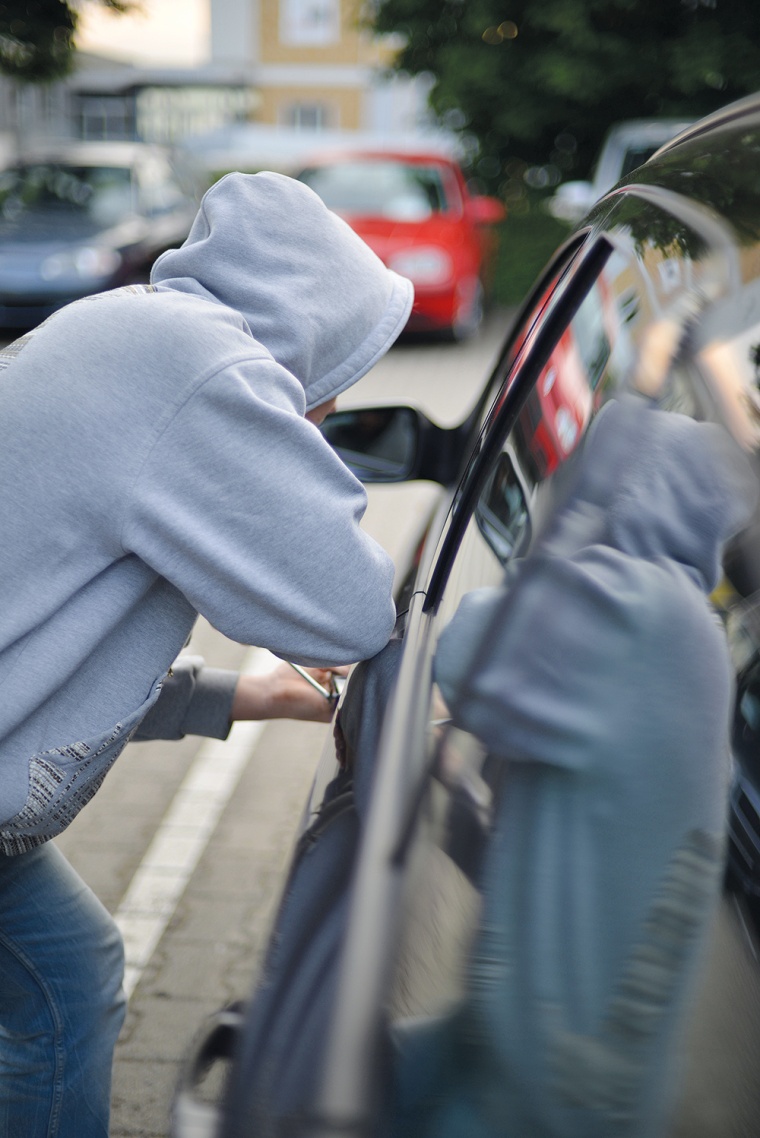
156	464
602	678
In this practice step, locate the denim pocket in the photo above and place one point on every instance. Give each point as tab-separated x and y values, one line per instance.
64	779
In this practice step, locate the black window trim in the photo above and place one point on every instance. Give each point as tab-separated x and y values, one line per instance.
585	272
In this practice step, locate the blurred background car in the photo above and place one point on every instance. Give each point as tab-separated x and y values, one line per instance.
83	218
417	213
626	146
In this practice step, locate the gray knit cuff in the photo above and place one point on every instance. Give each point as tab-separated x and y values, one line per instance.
194	700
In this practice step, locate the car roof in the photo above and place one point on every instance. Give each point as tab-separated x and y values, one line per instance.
711	163
647	128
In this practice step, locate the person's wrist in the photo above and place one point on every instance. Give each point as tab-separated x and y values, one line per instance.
253	698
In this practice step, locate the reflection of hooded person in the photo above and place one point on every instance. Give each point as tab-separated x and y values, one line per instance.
603	679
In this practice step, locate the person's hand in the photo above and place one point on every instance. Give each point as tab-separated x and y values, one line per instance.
283	694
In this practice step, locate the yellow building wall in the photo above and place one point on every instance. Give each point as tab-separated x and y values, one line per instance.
355	44
342	104
340	98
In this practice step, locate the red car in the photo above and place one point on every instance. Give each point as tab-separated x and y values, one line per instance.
417	213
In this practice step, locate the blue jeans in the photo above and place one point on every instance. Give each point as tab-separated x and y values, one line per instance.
61	1002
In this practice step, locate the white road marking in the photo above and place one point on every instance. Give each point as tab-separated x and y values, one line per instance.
182	836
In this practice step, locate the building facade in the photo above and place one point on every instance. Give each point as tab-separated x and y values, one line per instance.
107	99
279	71
316	64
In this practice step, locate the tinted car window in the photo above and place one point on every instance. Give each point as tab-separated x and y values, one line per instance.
634	157
502	512
592	354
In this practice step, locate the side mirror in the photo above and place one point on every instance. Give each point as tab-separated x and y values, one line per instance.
486	211
394	444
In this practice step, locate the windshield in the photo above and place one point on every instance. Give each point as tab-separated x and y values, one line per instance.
636	156
100	193
370	188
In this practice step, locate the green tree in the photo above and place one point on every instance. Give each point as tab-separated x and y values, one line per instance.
540	81
37	37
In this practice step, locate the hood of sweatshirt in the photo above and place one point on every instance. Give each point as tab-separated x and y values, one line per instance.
310	290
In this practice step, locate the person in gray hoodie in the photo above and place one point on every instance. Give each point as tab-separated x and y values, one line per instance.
159	458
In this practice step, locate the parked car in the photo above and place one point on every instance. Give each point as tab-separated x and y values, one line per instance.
418	214
657	295
626	146
84	217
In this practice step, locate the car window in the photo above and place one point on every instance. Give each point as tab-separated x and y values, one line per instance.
635	156
592	355
502	513
588	360
395	190
623	333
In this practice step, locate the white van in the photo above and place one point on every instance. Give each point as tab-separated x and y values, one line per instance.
626	146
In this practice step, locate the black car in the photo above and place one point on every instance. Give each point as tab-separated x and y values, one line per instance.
85	217
656	297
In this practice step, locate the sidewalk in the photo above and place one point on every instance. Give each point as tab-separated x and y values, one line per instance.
210	951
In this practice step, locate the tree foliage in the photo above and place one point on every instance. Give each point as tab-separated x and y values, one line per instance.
540	81
37	37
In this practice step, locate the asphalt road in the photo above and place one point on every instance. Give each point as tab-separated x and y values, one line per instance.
187	843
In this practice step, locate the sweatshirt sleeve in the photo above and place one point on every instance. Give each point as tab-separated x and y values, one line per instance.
194	700
244	507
